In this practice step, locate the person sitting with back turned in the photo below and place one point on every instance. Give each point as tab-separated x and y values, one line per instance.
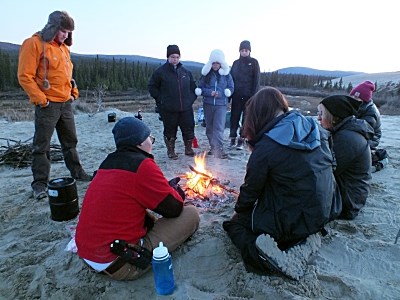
116	208
350	146
45	74
289	191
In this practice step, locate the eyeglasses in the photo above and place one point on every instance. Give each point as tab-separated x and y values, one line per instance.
216	63
152	139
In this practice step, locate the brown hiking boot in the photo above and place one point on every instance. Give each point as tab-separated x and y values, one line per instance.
170	143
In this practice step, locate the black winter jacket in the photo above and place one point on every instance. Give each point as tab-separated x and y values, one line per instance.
370	113
353	158
289	182
173	89
246	76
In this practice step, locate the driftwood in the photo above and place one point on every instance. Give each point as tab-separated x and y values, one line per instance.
18	154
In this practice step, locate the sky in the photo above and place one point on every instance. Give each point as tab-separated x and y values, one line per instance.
346	35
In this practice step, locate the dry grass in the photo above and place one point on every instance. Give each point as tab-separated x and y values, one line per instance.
16	107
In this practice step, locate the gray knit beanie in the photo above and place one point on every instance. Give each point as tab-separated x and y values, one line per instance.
130	131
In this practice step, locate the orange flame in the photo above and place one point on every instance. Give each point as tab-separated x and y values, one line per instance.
199	183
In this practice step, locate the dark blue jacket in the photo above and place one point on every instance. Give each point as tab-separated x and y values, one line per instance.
213	81
289	182
172	88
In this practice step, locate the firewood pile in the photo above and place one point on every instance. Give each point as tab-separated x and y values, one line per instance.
18	154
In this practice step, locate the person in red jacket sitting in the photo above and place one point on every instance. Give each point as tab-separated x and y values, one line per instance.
118	208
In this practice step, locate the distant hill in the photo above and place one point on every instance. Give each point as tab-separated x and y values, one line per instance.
8	47
379	78
310	71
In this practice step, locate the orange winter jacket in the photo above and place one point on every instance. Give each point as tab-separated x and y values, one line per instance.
39	60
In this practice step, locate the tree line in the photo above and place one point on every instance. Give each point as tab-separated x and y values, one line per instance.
122	75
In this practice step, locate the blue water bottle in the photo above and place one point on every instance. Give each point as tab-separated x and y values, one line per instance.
162	270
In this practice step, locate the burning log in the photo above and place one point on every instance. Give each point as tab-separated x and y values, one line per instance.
214	181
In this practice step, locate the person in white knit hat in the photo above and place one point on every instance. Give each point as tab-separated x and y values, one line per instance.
216	86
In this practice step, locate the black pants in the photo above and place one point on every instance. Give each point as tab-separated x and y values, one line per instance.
239	231
172	120
56	116
238	111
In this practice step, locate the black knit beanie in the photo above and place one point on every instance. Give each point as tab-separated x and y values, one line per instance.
341	106
173	49
245	45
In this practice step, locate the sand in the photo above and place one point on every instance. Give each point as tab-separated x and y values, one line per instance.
357	259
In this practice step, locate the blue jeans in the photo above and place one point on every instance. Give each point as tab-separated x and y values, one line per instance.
215	116
58	116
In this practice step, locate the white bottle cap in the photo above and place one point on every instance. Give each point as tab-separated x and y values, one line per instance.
160	252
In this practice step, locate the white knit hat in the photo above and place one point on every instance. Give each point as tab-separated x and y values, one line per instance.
216	56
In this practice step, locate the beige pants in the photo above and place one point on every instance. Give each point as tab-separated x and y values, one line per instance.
171	231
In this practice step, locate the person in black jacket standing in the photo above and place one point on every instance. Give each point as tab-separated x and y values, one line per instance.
246	76
172	86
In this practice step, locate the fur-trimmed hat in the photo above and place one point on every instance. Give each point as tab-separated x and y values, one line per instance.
341	106
58	20
363	91
173	49
245	45
216	56
130	131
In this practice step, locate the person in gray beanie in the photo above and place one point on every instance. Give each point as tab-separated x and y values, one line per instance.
45	73
126	187
172	87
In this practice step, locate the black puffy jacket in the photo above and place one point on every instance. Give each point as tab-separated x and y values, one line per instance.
353	158
246	76
370	113
172	88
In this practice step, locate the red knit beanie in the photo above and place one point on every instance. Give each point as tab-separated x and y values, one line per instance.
363	91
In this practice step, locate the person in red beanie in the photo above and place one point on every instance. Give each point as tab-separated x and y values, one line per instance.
370	113
368	110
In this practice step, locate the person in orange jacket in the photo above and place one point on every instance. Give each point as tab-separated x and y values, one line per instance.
45	73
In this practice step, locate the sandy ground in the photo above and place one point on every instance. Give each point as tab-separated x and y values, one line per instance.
357	260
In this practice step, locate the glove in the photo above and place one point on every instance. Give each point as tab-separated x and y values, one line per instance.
227	93
174	181
180	192
174	184
198	91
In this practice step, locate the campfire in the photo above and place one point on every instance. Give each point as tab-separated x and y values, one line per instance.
203	189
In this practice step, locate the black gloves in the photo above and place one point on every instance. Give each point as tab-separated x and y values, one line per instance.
174	183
